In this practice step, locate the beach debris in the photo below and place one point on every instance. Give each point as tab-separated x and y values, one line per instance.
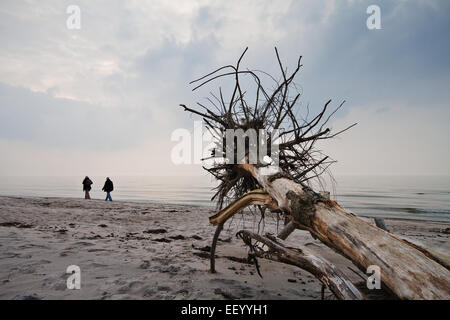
178	237
16	225
284	186
237	259
202	254
94	237
28	297
155	231
162	240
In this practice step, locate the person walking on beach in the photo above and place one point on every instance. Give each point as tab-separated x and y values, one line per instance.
108	188
87	187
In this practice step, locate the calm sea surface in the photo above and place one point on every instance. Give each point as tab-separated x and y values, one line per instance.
407	197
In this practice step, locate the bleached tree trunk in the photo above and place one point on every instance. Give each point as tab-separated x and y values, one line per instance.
408	272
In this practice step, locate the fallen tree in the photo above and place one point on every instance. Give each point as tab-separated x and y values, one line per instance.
407	271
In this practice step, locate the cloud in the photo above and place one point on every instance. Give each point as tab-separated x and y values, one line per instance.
398	140
47	121
115	85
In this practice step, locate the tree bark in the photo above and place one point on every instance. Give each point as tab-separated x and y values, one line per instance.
407	272
255	197
251	198
324	271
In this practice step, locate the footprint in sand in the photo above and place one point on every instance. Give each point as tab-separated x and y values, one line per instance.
27	270
84	243
130	287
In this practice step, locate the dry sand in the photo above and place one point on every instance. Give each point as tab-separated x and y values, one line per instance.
152	251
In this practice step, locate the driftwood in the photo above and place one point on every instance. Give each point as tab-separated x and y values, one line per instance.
255	197
303	258
406	271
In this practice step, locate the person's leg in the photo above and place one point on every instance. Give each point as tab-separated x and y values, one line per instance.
86	195
108	196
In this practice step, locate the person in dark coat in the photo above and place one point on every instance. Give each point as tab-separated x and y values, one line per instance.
108	188
87	183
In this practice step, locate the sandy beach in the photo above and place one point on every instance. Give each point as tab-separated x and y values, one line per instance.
129	250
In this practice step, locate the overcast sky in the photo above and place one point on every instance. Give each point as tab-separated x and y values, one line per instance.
103	100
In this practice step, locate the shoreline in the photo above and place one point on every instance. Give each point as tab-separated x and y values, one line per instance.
151	202
130	250
212	207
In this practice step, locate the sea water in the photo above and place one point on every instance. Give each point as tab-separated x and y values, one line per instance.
401	197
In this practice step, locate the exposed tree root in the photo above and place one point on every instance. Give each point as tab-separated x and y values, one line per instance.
251	198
